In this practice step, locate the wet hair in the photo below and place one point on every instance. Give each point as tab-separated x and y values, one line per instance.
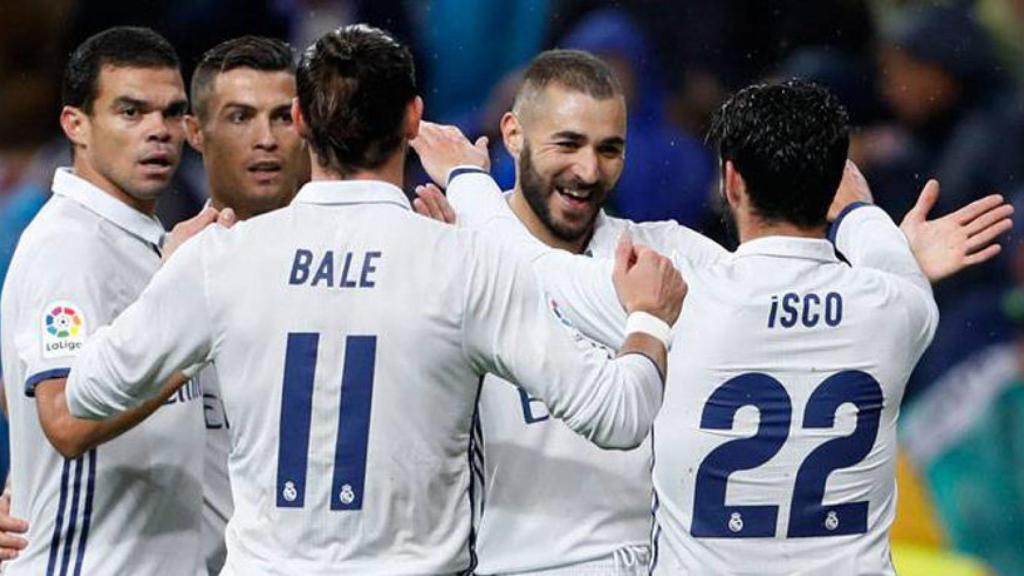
789	141
122	46
254	52
354	85
574	69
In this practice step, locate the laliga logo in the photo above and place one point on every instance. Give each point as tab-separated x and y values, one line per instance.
63	321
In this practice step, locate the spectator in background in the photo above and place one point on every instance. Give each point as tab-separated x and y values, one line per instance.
966	435
669	174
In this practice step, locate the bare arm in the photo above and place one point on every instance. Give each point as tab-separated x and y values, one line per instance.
72	436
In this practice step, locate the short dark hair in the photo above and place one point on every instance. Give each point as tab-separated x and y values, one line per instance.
574	69
353	86
255	52
123	46
789	141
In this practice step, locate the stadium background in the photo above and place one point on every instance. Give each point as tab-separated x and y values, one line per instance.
935	89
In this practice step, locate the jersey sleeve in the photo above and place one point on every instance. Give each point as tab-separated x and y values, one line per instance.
867	237
62	305
513	330
166	330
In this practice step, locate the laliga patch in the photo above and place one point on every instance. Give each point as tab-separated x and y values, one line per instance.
559	315
577	336
63	329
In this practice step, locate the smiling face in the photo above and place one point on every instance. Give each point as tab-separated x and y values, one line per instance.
570	150
254	157
129	142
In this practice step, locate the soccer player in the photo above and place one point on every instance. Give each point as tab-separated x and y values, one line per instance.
255	161
566	133
133	504
361	331
774	451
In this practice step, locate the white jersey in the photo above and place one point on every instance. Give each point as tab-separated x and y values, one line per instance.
349	337
824	349
217	504
132	505
533	513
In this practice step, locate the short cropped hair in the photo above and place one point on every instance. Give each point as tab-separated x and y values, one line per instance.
789	142
122	46
354	85
574	69
255	52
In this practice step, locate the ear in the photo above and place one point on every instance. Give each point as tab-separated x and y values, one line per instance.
413	115
735	186
298	121
75	124
193	133
512	134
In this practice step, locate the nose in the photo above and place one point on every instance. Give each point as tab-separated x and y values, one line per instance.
586	167
159	127
265	138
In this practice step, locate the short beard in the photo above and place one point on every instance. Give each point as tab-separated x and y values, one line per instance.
532	186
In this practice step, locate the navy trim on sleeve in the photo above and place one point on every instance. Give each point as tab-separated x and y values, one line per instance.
30	384
833	230
465	170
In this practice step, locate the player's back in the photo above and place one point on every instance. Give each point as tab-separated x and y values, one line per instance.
344	375
775	446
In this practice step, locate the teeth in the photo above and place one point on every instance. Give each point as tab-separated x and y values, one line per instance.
580	194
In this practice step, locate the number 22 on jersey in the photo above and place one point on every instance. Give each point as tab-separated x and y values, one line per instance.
808	517
353	421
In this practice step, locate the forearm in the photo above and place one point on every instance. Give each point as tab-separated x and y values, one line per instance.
649	346
73	436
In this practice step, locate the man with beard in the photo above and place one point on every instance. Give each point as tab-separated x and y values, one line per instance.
346	318
132	505
566	132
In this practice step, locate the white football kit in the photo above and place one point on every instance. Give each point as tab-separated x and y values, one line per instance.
775	447
217	504
550	499
349	336
132	505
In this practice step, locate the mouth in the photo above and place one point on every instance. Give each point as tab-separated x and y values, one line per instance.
575	198
157	164
265	167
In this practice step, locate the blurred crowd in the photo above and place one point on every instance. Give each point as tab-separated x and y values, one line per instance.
934	89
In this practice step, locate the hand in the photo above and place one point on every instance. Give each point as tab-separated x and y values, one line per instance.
10	545
852	188
189	228
442	148
432	203
646	281
947	245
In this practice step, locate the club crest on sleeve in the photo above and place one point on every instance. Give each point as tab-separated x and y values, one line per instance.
63	329
553	304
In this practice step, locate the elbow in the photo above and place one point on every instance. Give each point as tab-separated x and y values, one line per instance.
67	445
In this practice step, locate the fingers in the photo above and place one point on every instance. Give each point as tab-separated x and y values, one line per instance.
988	219
988	235
925	201
624	254
481	144
968	213
983	255
431	202
227	218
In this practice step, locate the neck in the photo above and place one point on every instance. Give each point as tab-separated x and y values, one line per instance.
84	170
753	227
392	171
521	208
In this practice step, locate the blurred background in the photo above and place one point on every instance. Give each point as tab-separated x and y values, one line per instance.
934	89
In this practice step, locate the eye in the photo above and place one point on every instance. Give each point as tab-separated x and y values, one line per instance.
282	118
567	145
130	112
610	151
237	117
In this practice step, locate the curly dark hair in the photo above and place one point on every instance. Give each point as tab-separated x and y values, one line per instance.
353	86
789	142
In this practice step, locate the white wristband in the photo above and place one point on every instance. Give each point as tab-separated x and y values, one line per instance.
651	325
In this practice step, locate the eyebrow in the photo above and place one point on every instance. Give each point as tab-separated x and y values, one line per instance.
577	137
175	107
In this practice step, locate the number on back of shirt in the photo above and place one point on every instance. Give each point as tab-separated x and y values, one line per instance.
354	400
808	516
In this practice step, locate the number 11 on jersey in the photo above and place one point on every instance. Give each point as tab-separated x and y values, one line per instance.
353	421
